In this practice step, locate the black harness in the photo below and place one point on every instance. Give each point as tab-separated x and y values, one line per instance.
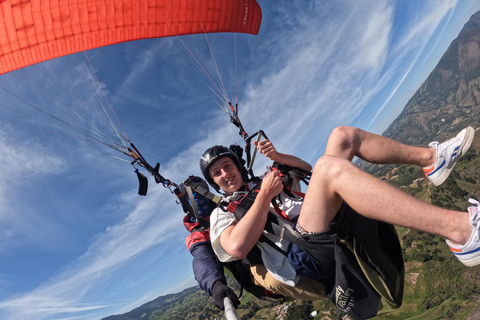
239	204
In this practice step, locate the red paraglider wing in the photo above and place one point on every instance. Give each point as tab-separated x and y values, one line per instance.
38	30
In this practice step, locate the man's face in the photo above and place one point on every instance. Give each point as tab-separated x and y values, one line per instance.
225	173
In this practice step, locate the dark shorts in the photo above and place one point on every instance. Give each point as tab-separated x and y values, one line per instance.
312	255
358	253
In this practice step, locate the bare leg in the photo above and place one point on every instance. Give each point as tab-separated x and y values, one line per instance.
347	142
335	179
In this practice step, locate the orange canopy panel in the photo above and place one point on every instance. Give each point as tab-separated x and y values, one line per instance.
38	30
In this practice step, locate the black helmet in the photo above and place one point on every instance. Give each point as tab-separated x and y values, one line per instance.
204	205
211	156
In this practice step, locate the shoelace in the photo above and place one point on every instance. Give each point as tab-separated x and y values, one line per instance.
434	144
475	216
442	146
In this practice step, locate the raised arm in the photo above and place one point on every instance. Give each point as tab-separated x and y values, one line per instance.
266	148
240	237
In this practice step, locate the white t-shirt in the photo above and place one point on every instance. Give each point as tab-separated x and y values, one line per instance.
275	262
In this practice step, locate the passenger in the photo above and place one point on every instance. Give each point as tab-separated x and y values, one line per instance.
342	202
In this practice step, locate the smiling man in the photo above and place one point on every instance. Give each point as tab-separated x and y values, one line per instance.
342	202
223	170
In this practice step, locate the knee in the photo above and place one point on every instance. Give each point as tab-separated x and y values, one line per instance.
344	142
345	136
330	166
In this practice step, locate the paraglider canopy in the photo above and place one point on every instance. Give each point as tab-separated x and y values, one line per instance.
39	30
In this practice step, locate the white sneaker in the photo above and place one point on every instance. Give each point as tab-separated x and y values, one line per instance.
469	254
448	153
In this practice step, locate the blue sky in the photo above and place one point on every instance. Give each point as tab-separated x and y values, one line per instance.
77	242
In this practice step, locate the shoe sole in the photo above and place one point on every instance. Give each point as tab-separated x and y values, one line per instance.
467	142
471	262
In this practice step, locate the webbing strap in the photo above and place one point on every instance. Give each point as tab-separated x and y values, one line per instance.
248	145
301	174
204	192
240	205
190	208
250	165
193	203
284	232
280	212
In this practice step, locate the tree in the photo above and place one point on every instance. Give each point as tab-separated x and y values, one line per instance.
300	311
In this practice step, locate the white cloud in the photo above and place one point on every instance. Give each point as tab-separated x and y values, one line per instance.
427	20
65	293
413	41
17	155
323	74
24	161
374	39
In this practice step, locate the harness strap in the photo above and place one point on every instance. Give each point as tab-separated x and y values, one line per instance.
241	203
195	226
198	232
204	192
192	203
280	212
190	208
303	175
284	232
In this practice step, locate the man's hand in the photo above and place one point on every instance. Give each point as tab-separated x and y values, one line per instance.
220	291
266	148
272	185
